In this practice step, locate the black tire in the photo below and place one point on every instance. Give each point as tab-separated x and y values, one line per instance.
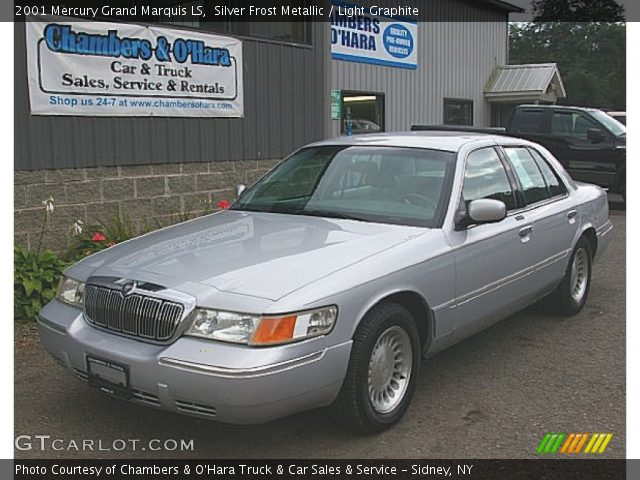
353	406
564	302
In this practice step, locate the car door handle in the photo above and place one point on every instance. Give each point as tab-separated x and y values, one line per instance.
525	231
571	214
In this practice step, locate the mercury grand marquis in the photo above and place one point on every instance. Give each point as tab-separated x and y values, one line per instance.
330	279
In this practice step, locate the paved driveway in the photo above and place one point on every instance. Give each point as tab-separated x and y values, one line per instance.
491	396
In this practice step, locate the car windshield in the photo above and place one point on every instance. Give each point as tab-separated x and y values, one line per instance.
613	125
407	186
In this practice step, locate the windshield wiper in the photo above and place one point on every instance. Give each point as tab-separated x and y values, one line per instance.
266	208
332	214
299	211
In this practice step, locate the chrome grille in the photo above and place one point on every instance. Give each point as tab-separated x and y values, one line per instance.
136	315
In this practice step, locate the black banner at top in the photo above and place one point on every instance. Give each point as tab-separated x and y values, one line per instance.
239	11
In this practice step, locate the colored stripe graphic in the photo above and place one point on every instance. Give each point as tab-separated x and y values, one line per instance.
558	441
594	437
605	443
581	443
568	442
573	443
550	443
543	443
598	443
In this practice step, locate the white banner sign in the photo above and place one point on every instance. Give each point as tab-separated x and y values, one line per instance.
114	69
361	34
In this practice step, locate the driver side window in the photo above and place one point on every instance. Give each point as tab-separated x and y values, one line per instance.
486	177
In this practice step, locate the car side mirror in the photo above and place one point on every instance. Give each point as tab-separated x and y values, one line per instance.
484	210
487	210
240	189
595	135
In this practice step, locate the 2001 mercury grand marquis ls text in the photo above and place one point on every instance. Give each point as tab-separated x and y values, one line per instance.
329	279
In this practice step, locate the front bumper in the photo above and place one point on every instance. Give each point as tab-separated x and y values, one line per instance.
225	382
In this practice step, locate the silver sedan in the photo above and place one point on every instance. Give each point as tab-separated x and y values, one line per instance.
331	279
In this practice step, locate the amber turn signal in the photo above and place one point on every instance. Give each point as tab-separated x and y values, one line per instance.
274	330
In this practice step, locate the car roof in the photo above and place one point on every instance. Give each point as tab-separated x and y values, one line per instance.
559	107
450	141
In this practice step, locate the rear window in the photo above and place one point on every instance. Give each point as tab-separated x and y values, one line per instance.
554	184
527	171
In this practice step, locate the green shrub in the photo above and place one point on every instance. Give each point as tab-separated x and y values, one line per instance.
35	280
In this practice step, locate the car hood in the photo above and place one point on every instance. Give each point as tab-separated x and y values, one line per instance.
263	255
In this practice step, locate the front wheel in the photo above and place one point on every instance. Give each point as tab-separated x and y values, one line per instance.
571	295
382	372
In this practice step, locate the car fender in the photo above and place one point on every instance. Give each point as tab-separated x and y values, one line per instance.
421	267
427	322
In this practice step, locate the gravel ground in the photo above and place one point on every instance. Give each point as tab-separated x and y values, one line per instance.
492	396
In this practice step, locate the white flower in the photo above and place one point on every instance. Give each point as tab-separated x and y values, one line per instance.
76	228
48	204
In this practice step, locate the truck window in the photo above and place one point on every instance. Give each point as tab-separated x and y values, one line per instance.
531	121
572	124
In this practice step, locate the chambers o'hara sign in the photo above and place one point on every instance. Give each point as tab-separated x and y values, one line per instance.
366	35
96	68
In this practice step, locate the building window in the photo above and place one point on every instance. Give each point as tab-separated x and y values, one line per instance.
295	32
458	112
362	112
501	114
292	32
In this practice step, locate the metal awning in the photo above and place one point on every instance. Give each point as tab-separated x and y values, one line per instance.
531	82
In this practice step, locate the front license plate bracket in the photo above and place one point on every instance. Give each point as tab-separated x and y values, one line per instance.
108	376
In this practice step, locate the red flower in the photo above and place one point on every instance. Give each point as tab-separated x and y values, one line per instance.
98	237
224	204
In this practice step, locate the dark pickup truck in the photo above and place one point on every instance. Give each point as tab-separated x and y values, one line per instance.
590	144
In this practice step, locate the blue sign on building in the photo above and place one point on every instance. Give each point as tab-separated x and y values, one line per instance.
358	34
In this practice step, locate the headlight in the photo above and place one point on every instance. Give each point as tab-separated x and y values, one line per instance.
262	330
70	291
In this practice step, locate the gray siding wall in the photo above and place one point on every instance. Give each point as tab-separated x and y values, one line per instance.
285	93
455	60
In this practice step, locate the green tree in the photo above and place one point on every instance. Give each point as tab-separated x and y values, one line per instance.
591	58
577	11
